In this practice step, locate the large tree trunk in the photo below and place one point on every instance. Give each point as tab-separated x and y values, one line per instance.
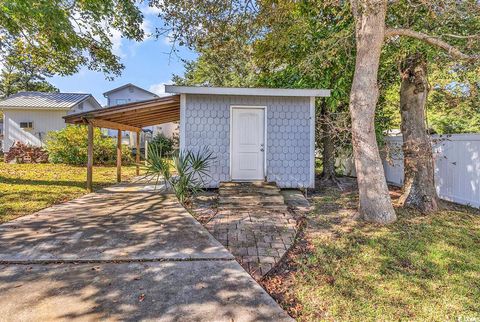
419	184
375	203
328	154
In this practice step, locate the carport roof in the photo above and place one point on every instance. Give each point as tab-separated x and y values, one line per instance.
131	116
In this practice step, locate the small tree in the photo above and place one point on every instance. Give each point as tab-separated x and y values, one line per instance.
70	145
20	74
163	144
457	22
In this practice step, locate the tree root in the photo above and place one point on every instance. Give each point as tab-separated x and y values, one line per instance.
331	179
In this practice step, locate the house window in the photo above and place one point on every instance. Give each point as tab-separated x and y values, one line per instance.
130	89
121	101
26	125
80	106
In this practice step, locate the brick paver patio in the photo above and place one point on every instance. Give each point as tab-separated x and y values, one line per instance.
254	223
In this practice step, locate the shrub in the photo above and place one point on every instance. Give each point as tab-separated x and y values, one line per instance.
189	171
162	144
70	145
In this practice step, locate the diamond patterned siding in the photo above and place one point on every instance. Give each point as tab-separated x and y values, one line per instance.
207	123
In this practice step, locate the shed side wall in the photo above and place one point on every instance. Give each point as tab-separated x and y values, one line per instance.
44	121
207	124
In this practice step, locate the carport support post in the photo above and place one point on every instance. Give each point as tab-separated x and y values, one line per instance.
137	155
90	158
146	152
119	156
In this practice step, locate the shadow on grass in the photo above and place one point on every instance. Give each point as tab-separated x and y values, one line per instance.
64	183
409	269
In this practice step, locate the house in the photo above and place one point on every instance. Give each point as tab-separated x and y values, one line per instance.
129	93
29	116
126	94
253	133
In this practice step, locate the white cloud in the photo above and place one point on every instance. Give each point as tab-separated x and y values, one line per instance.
159	88
147	10
116	39
148	29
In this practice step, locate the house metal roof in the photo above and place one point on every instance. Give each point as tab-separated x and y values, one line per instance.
126	86
43	100
247	91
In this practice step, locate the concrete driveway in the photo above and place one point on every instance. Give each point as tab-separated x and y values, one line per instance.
125	253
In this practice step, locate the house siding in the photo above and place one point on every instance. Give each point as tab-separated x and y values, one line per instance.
129	96
44	121
207	124
167	129
87	105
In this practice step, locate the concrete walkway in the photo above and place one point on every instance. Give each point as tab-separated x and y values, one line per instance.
125	253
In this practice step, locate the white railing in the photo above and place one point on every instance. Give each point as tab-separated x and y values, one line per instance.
457	166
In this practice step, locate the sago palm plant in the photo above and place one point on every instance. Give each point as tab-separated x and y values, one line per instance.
185	176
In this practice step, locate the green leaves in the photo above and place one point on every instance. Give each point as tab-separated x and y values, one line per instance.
450	110
189	171
20	74
70	144
62	36
162	143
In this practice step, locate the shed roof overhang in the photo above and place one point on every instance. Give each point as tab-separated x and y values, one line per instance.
131	116
309	92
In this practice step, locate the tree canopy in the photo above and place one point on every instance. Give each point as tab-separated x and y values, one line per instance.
19	74
311	44
451	53
62	36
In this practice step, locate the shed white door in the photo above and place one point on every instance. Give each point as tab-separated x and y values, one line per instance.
248	143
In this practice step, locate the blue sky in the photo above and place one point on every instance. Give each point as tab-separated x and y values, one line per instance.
148	64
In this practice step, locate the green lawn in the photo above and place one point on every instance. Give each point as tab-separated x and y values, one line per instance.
26	188
422	268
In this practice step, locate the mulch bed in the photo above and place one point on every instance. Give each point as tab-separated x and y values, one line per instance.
279	280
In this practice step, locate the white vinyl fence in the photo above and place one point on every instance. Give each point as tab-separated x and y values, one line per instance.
457	166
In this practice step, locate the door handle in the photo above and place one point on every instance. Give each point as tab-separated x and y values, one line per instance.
262	149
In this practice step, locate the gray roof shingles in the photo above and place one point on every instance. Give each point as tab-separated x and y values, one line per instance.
43	100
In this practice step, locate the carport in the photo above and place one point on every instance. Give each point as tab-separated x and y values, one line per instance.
126	117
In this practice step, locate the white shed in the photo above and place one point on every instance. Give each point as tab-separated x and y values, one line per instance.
29	116
254	133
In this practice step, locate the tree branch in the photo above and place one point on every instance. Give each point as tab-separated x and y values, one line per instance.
431	40
462	37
